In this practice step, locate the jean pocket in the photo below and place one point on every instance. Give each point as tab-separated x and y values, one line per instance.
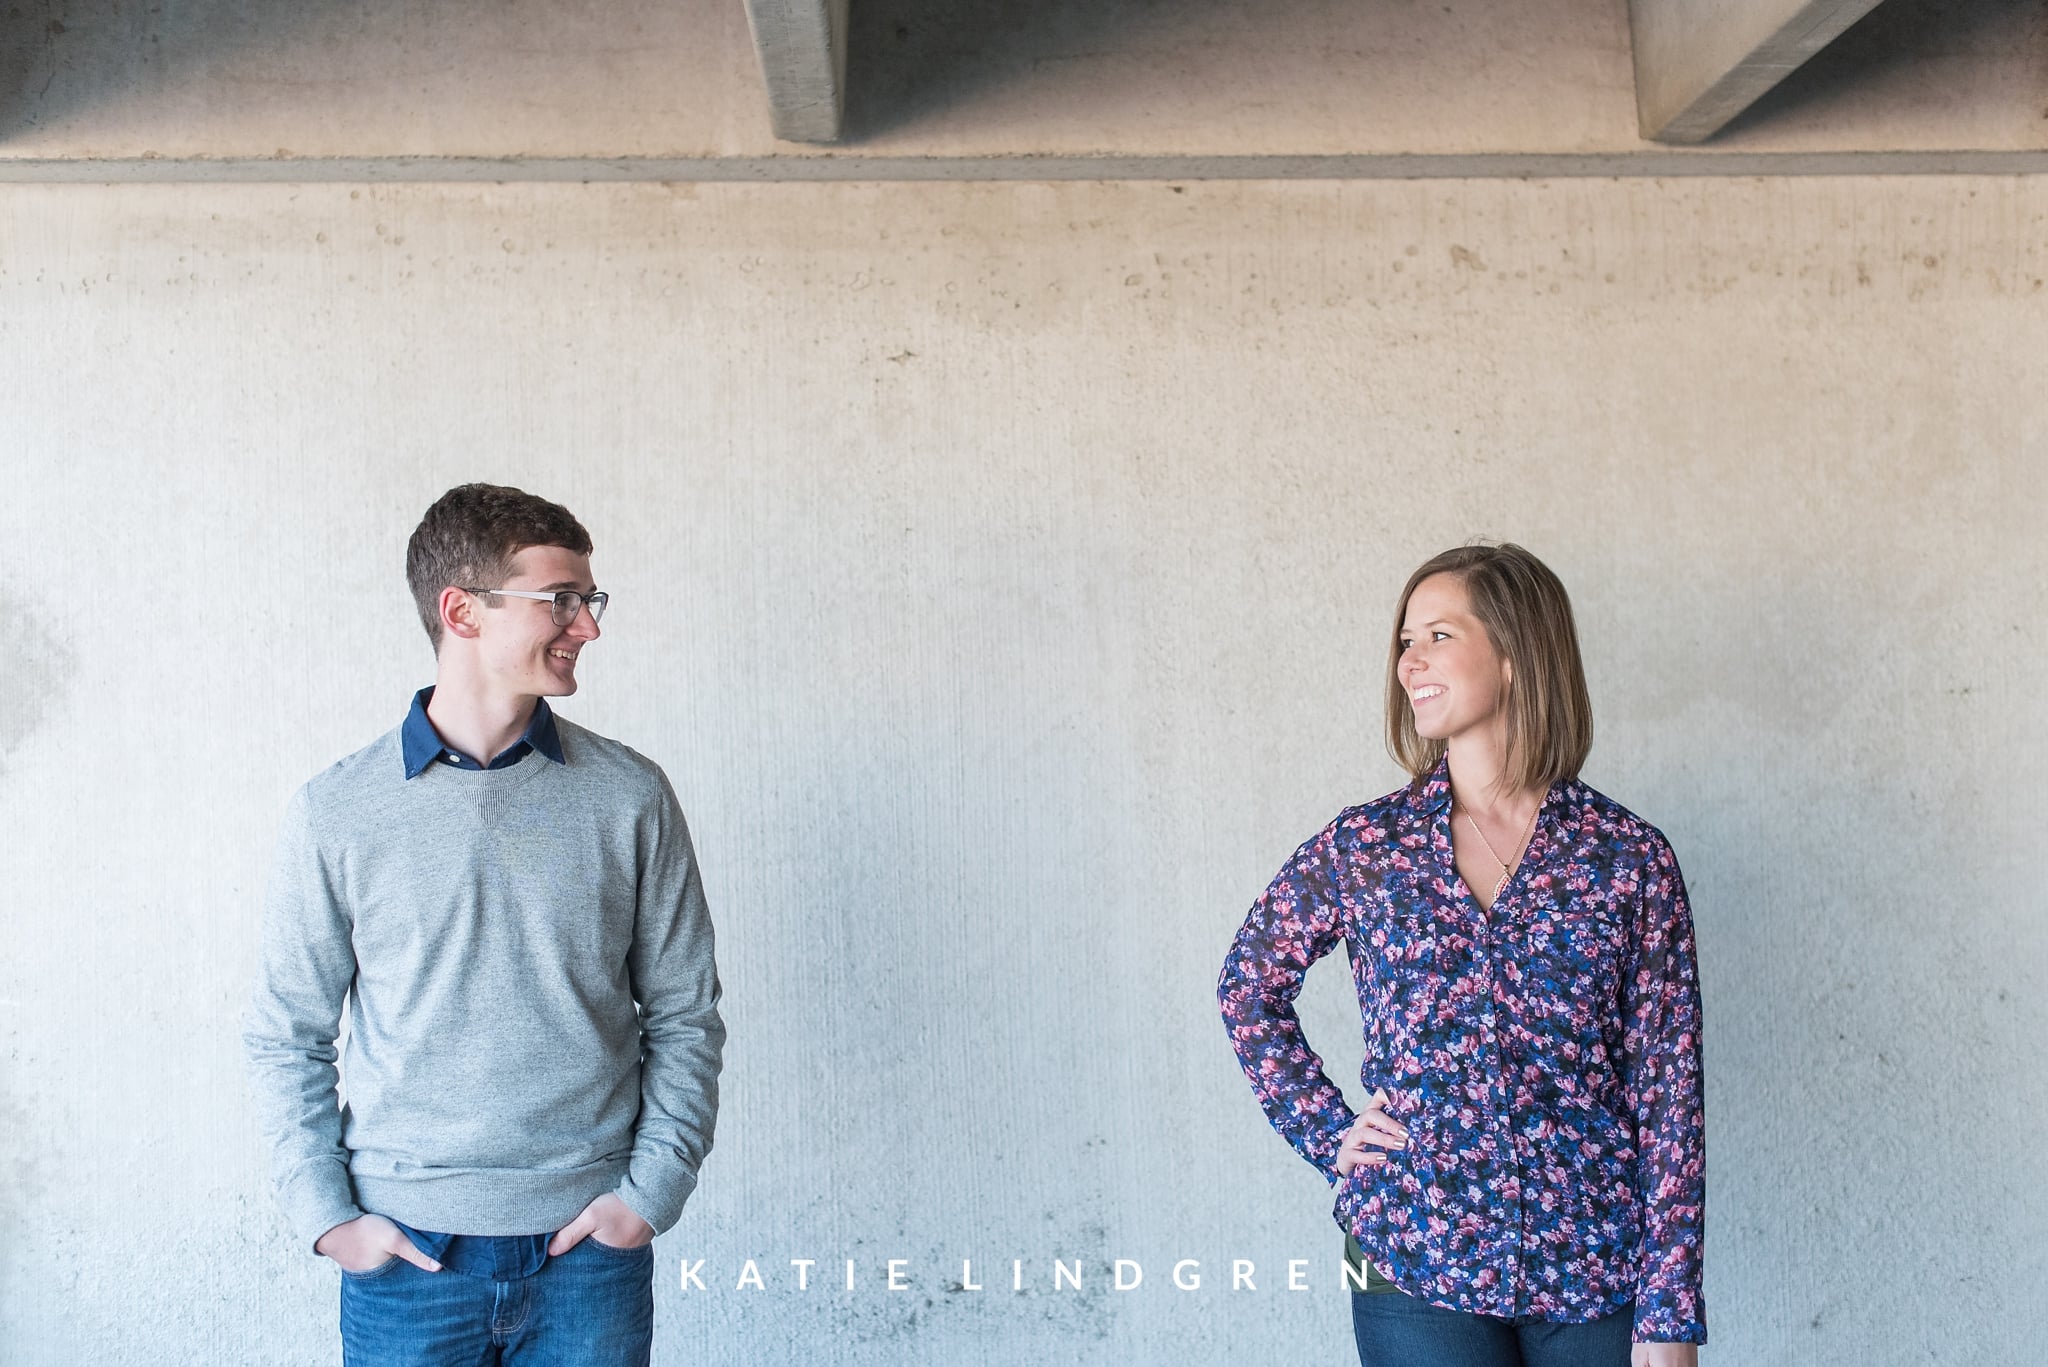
646	1249
379	1270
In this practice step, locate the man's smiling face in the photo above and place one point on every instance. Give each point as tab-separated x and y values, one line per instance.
519	647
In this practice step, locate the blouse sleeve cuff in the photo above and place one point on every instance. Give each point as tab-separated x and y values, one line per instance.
1670	1315
1322	1151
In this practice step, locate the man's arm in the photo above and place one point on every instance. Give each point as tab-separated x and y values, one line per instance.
289	1031
675	980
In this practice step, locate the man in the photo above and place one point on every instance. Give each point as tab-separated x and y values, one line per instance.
511	905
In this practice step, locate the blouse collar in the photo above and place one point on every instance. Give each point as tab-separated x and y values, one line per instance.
1431	793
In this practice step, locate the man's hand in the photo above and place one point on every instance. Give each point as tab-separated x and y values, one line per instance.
610	1219
367	1242
1664	1355
1373	1126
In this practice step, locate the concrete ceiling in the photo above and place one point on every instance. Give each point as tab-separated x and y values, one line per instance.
674	89
1698	63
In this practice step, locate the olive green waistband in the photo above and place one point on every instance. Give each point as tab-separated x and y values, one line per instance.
1354	1258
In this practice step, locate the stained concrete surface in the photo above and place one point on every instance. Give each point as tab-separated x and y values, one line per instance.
1001	574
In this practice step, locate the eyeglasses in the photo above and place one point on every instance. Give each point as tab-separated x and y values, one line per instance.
567	603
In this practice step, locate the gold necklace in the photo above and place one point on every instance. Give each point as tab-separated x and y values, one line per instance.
1506	869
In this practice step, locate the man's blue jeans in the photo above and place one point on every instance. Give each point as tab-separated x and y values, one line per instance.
590	1307
1395	1329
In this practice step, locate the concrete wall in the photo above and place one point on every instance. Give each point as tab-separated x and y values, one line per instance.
1001	575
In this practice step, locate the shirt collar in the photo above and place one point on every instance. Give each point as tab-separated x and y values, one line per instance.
422	744
1431	792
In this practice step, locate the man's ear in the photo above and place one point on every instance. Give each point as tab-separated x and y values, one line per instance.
458	614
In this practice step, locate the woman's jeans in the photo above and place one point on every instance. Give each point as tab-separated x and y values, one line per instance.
590	1307
1395	1329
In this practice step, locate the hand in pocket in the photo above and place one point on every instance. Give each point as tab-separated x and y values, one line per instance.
369	1241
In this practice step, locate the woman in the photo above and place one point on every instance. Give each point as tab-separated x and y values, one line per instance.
1526	1182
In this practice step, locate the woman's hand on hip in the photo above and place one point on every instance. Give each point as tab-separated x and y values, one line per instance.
1373	1131
1664	1355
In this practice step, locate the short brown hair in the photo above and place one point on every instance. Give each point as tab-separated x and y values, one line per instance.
1528	618
468	539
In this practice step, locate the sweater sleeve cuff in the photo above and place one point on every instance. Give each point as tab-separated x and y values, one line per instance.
317	1198
1670	1315
658	1201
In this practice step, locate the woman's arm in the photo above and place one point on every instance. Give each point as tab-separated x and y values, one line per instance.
1661	1048
1296	921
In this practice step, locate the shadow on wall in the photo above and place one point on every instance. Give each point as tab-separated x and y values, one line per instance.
34	679
1911	41
910	62
59	58
28	59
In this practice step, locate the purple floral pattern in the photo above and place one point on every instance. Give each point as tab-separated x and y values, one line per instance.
1544	1056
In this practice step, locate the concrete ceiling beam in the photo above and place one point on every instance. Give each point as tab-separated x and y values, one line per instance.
802	47
1699	63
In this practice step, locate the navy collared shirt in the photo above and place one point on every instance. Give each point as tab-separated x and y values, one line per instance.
423	745
501	1258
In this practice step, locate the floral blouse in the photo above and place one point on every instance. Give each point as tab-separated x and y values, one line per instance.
1544	1057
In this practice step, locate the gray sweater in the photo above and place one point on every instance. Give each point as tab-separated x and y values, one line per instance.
492	931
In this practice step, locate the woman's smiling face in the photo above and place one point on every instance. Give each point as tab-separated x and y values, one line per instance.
1454	678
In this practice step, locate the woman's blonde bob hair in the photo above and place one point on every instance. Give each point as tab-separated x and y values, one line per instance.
1528	618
